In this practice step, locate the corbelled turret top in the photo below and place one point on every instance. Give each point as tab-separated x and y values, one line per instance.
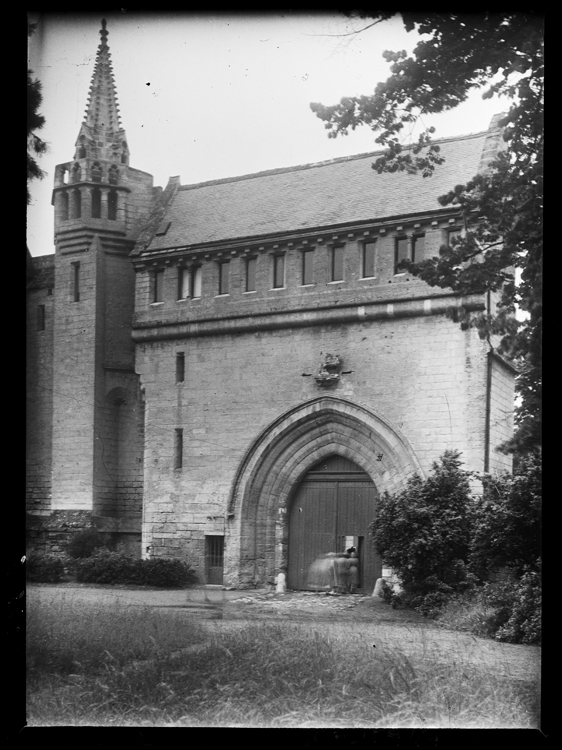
101	135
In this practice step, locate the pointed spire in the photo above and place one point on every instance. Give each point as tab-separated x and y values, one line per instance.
102	110
101	130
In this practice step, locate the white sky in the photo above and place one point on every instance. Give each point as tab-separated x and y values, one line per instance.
228	95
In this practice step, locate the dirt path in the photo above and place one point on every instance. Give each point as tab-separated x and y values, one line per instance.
362	618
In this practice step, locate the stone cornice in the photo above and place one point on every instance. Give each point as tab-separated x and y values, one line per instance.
252	323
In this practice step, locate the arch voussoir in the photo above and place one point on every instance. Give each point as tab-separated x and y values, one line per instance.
277	461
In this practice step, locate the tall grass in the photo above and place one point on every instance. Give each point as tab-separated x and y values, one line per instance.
265	675
67	636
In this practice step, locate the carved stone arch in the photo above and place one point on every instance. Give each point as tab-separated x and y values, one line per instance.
96	172
278	459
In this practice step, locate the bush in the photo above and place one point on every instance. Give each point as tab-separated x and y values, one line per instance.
44	568
518	606
507	527
84	543
105	566
508	610
161	572
424	534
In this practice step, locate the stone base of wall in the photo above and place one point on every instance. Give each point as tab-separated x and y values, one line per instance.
51	533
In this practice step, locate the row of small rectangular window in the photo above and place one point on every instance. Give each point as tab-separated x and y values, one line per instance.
189	280
73	209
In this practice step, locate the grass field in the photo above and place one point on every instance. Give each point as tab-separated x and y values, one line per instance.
124	665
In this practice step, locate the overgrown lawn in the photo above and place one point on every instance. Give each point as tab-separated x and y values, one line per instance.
121	666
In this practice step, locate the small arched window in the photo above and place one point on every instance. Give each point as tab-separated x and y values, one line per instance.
112	205
96	172
113	175
76	173
96	203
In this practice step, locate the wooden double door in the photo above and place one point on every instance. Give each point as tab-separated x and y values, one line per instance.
331	511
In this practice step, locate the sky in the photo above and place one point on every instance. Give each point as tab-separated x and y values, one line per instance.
213	96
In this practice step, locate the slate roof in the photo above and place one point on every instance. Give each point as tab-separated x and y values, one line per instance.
325	194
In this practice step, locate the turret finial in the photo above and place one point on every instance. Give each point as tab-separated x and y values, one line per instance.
104	32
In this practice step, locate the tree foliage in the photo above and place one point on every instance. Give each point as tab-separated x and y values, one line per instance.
35	121
507	521
423	533
501	249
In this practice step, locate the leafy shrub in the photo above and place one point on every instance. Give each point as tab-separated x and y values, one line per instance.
162	572
106	566
387	592
44	568
508	610
84	543
507	527
424	534
518	607
470	613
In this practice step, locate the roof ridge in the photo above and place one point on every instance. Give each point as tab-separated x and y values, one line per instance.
313	165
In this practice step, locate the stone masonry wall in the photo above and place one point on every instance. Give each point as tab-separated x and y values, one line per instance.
39	401
74	374
501	415
424	375
385	285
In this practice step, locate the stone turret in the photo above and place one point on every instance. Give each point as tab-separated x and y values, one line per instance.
101	206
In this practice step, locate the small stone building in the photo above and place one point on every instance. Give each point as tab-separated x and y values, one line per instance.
232	372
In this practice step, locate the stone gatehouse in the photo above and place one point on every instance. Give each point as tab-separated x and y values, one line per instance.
232	372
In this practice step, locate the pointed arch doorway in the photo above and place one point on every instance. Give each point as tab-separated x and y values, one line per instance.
331	511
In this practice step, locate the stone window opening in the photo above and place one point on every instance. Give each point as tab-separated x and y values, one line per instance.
183	282
77	203
96	172
158	286
250	285
307	267
178	448
96	203
278	271
76	173
180	367
224	273
112	205
75	281
336	263
402	251
64	206
195	282
418	247
368	260
452	234
113	175
409	248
